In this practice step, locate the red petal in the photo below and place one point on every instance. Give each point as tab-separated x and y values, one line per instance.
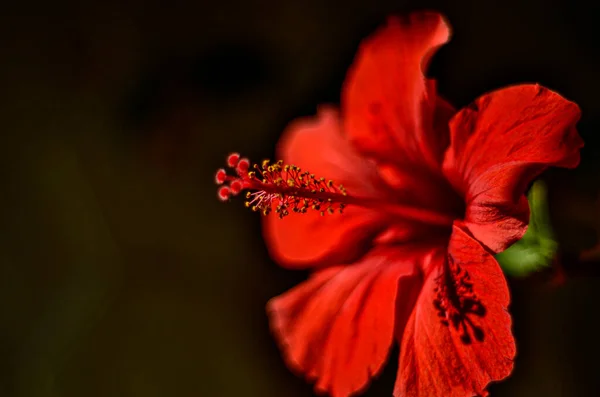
337	327
300	240
388	105
499	144
434	360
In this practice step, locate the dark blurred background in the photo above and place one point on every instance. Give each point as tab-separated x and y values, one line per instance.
120	272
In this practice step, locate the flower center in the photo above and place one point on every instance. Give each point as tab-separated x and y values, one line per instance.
456	303
282	188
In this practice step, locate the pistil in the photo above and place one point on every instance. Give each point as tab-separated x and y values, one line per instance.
285	188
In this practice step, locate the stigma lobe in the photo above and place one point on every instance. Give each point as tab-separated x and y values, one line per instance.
280	188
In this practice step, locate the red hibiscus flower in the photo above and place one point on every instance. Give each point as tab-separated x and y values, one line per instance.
429	195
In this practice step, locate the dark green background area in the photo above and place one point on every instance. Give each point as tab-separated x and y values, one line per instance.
120	272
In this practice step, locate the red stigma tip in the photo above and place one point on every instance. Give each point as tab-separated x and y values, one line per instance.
220	176
233	159
243	166
236	186
224	193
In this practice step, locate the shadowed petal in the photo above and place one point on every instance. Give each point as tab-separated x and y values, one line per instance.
499	144
458	338
337	327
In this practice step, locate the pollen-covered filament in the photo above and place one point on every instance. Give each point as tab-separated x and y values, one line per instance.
280	188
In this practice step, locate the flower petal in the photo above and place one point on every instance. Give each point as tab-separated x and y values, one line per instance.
303	240
388	105
475	346
337	327
499	144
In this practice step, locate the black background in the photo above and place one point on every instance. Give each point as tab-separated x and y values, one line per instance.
120	272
